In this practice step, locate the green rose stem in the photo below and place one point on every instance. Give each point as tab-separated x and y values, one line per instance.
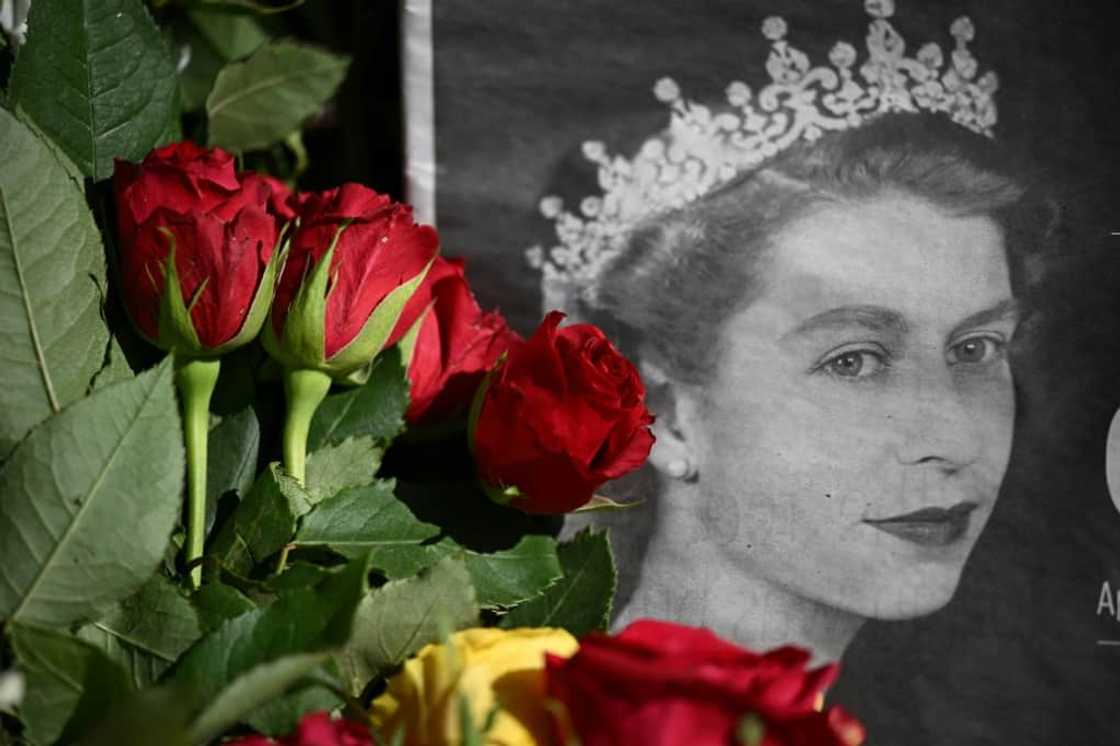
304	390
195	378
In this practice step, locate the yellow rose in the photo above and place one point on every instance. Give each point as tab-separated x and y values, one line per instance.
487	666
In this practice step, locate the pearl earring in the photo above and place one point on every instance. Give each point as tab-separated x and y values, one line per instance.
681	468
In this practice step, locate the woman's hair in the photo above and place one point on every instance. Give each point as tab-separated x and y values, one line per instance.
684	273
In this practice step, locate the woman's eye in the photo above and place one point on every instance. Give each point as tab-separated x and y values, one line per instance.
854	364
976	350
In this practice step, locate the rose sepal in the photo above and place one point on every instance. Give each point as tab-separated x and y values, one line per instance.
176	328
378	327
303	345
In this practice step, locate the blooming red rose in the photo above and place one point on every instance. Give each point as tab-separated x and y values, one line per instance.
223	228
316	729
453	343
354	262
562	415
663	684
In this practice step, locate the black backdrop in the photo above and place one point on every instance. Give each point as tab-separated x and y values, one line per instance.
1014	658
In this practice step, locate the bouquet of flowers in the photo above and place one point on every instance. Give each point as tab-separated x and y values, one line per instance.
269	471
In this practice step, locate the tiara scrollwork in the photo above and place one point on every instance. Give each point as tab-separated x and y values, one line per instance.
702	149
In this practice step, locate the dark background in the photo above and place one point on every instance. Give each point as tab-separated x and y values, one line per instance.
1014	658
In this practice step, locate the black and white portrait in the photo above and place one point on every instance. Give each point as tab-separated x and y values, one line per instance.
863	255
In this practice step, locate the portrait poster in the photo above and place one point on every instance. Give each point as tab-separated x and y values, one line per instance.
1001	429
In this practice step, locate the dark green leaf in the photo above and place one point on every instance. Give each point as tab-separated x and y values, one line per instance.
232	461
262	684
333	468
51	275
580	601
297	575
393	622
261	100
375	409
362	519
213	40
301	621
90	499
501	578
133	722
146	632
262	523
215	603
70	683
97	78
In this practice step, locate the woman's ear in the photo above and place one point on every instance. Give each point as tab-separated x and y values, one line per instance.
673	453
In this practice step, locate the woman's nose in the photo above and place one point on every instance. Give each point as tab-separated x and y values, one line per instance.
936	425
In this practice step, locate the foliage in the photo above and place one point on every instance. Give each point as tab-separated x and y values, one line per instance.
312	592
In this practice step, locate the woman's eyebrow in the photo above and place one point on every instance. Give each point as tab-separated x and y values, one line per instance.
1005	310
875	318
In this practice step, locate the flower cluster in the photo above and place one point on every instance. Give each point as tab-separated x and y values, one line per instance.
653	684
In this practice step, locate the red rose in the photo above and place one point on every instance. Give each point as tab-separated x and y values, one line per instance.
658	683
316	729
223	227
454	344
562	415
354	262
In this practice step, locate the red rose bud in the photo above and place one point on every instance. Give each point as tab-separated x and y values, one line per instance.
199	248
450	344
563	414
355	260
316	729
661	684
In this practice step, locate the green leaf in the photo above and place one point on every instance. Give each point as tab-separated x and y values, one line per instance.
258	686
259	101
232	463
363	519
148	631
90	500
215	603
374	519
51	274
262	523
70	683
213	40
134	721
501	578
308	620
96	77
375	409
580	601
333	468
393	622
280	716
116	368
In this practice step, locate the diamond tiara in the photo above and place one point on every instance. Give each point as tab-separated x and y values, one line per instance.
701	149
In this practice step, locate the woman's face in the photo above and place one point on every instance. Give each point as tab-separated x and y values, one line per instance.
853	443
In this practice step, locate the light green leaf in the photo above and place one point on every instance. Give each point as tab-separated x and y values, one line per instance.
262	523
51	274
96	76
580	601
116	368
361	519
307	620
259	101
333	468
393	622
232	463
375	409
213	40
90	500
70	683
148	631
249	691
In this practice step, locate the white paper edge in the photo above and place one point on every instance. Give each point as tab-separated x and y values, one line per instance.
419	109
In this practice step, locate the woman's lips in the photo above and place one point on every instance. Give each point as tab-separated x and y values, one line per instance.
931	527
